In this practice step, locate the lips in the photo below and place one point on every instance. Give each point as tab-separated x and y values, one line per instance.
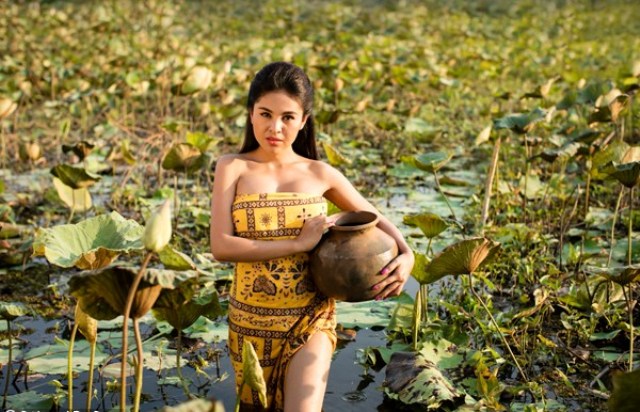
273	140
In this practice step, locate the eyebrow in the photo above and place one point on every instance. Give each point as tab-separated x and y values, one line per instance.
270	111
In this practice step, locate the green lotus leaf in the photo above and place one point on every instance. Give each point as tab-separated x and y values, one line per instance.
8	230
196	405
102	294
421	128
520	123
625	396
91	244
182	306
78	200
175	260
87	325
627	173
461	258
590	93
74	177
80	149
13	310
32	401
429	223
413	379
252	372
613	153
620	275
334	157
199	139
184	157
563	153
419	271
430	162
586	136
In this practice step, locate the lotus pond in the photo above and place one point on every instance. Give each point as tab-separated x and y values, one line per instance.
501	136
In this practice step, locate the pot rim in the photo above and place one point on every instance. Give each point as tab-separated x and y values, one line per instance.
355	220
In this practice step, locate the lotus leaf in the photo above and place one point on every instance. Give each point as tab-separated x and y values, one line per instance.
87	325
80	149
8	231
102	294
91	244
181	308
429	223
618	105
184	157
625	396
613	153
419	271
421	128
6	107
13	310
520	123
621	275
74	177
196	405
631	155
198	79
199	140
590	93
627	173
31	401
334	157
252	372
483	136
78	200
413	379
175	260
431	162
461	258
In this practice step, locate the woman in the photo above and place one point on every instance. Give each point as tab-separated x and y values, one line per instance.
275	189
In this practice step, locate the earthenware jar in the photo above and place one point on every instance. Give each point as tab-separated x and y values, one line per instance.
348	260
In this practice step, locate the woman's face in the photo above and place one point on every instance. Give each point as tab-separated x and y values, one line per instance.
277	117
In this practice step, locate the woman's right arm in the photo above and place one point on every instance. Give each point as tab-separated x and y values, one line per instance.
227	247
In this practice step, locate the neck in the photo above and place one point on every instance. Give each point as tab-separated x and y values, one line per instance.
278	158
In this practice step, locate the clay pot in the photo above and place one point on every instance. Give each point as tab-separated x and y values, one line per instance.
348	260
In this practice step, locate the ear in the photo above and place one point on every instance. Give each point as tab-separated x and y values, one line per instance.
304	121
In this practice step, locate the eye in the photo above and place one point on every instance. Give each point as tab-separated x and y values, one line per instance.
288	117
265	114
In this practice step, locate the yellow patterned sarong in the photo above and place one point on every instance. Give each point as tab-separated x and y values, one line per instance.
273	304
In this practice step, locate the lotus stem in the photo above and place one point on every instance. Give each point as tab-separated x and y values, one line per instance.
417	303
435	175
489	182
424	294
175	198
185	388
237	408
125	331
92	358
4	149
72	341
613	225
587	193
495	325
138	393
630	232
6	382
526	180
631	337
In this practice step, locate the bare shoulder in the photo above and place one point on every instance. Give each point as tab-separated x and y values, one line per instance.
232	161
323	170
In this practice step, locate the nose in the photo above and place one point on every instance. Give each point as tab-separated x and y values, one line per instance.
276	125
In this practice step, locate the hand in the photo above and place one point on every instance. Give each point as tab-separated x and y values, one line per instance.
312	231
395	275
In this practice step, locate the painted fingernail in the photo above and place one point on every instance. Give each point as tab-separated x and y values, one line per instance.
375	287
384	271
378	298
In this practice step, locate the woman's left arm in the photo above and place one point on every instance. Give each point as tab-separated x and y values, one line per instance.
393	276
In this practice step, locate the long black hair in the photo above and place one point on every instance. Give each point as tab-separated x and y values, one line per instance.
287	77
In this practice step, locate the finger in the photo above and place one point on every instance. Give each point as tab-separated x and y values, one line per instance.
391	266
394	289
